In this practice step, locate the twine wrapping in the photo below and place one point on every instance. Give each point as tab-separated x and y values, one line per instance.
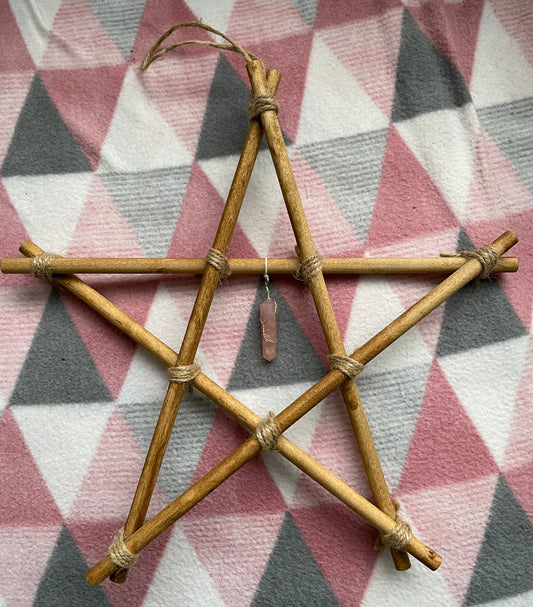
487	256
219	262
262	103
41	265
310	267
183	374
119	553
267	432
350	367
398	538
156	53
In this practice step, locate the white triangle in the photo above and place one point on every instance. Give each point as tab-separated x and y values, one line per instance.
49	206
416	587
139	139
444	143
334	105
217	14
376	305
35	20
192	587
63	440
501	73
486	380
259	212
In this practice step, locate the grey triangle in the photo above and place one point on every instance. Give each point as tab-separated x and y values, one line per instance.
307	10
478	315
292	575
226	120
295	362
42	142
121	20
151	203
510	127
426	81
392	403
63	582
58	368
504	565
350	167
186	443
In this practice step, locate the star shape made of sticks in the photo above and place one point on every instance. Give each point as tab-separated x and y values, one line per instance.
266	433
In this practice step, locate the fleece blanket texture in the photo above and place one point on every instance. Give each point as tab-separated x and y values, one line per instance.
409	128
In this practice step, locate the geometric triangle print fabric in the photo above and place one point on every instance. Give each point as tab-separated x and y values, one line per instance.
408	126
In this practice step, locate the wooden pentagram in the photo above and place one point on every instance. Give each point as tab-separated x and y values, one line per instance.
138	532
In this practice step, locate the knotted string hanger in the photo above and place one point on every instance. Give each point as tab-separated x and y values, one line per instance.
156	53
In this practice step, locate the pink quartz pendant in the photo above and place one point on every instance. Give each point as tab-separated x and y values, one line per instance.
268	314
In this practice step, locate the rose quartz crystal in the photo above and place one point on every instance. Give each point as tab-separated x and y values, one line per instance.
268	314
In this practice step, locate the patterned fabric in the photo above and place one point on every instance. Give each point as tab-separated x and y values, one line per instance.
409	129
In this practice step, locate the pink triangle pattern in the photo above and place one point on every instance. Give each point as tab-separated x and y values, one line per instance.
517	19
234	549
250	491
453	29
14	56
372	54
407	198
325	529
106	491
345	11
14	89
25	500
454	519
446	448
86	99
88	42
16	546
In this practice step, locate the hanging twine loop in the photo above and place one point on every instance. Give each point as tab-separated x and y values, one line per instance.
398	538
267	432
487	256
156	52
119	553
350	367
219	262
41	265
309	268
183	374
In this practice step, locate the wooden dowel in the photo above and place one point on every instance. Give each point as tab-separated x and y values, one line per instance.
334	265
249	419
317	286
195	326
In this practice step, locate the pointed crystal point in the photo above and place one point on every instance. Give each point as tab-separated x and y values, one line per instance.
268	314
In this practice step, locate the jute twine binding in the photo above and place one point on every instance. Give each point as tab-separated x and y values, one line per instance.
267	432
487	256
156	53
219	262
119	553
398	538
309	267
183	374
350	367
262	103
41	266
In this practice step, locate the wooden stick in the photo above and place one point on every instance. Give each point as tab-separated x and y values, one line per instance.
195	327
242	414
334	265
317	286
299	407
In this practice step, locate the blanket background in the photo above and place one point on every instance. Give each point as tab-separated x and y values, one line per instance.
409	130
